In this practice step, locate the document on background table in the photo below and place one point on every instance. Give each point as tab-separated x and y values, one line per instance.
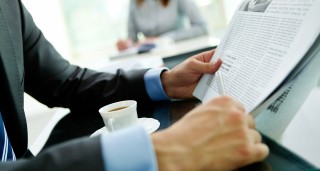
260	50
132	63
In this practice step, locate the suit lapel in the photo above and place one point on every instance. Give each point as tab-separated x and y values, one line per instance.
10	56
11	76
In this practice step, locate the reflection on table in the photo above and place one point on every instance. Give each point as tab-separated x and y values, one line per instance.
75	125
169	112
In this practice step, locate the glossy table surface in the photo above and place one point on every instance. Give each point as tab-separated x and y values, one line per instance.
74	125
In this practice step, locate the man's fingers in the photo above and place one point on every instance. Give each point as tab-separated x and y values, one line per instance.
203	64
216	65
205	56
239	105
206	67
260	152
228	102
234	102
255	136
251	122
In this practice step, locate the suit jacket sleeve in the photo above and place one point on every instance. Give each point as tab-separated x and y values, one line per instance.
55	82
77	155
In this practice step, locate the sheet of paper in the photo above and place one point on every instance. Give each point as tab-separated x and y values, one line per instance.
260	49
277	115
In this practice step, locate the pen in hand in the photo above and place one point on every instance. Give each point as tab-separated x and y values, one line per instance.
220	83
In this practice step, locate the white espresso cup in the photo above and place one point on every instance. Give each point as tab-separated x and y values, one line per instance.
119	115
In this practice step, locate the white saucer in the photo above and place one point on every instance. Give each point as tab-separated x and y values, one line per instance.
149	124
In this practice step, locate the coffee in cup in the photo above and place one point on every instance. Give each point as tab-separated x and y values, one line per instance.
119	115
119	108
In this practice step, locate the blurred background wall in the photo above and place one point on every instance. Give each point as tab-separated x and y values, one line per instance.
88	29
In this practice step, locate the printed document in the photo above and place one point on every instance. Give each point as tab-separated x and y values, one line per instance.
264	42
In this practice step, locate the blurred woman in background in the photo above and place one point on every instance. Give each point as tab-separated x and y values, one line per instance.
162	19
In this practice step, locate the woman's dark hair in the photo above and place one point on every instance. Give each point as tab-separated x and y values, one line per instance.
163	2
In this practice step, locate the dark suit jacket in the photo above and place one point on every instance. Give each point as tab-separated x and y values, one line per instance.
29	63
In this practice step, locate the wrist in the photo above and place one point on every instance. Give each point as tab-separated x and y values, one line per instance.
166	83
163	151
172	153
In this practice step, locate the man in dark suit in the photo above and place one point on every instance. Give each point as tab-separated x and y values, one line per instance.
226	138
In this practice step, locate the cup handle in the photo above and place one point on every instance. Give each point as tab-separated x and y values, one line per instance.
110	123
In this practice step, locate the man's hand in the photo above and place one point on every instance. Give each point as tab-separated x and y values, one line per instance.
181	81
218	135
